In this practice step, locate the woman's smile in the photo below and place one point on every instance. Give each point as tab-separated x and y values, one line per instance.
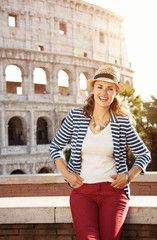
103	99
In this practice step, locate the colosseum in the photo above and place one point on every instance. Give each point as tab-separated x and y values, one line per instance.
48	48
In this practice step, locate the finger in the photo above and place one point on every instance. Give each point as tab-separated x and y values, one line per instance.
112	176
77	185
78	181
80	178
115	184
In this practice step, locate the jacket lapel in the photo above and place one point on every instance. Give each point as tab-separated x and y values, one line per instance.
115	131
84	122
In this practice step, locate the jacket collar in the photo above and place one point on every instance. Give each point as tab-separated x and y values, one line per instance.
113	117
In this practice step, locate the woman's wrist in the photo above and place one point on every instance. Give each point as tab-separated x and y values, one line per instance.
66	174
132	173
127	177
62	167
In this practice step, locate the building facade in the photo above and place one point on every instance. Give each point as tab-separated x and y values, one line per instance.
48	48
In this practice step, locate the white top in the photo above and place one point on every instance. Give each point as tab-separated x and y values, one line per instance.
98	162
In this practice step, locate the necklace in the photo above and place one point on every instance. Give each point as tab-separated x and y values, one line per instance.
99	127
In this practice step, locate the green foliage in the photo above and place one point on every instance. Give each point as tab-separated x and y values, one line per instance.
145	115
67	154
136	107
150	109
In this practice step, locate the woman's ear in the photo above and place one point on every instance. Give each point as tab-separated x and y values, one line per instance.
92	90
117	94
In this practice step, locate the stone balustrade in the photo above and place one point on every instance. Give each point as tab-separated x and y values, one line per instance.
54	185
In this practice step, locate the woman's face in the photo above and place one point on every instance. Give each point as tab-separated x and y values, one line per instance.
104	93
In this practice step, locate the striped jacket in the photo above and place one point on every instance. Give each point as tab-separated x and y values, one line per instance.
123	134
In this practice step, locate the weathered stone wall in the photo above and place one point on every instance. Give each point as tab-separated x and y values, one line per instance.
72	36
66	231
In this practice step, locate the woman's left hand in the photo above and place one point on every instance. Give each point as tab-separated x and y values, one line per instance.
120	180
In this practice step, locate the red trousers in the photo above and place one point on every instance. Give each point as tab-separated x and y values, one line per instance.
98	211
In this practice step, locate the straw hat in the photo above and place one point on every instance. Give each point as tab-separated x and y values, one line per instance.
107	73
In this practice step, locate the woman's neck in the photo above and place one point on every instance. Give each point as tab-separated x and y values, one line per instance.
101	113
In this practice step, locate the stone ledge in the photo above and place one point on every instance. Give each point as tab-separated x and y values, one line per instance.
18	210
57	178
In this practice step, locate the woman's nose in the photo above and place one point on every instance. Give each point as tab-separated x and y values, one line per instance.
104	91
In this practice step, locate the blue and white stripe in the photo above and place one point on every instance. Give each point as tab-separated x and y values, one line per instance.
124	134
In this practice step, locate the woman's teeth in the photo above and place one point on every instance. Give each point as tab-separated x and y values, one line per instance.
104	99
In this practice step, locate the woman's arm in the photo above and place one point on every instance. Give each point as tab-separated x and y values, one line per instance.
62	138
72	178
141	153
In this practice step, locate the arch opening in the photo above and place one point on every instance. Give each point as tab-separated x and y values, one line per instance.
83	84
45	170
17	171
13	78
16	135
39	80
42	131
63	83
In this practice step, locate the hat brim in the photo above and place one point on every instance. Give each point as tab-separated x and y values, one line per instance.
90	83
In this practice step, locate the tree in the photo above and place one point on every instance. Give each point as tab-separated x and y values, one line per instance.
151	111
135	104
151	130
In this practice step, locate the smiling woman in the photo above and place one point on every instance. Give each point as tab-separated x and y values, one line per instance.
97	170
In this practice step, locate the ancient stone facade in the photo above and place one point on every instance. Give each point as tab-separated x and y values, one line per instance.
46	46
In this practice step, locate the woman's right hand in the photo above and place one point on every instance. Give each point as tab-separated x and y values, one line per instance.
74	179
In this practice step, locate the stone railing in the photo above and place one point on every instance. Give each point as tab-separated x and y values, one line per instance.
54	185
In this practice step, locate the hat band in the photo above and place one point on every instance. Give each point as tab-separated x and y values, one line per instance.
106	75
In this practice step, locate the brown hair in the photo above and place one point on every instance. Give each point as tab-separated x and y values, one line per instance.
117	107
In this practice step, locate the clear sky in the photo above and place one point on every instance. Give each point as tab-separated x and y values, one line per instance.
140	26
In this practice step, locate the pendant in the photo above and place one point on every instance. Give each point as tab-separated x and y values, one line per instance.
97	127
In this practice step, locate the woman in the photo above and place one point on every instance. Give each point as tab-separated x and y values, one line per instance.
100	133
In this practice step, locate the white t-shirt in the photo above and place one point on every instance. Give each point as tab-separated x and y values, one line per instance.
98	162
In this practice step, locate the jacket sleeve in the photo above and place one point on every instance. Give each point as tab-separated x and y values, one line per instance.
62	138
137	147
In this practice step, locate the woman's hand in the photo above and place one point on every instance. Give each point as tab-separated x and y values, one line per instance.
74	179
120	180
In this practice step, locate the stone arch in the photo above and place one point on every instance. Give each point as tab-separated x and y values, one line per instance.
43	130
83	83
16	131
63	82
40	80
45	170
17	171
13	78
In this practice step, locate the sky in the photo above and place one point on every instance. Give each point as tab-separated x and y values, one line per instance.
140	20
